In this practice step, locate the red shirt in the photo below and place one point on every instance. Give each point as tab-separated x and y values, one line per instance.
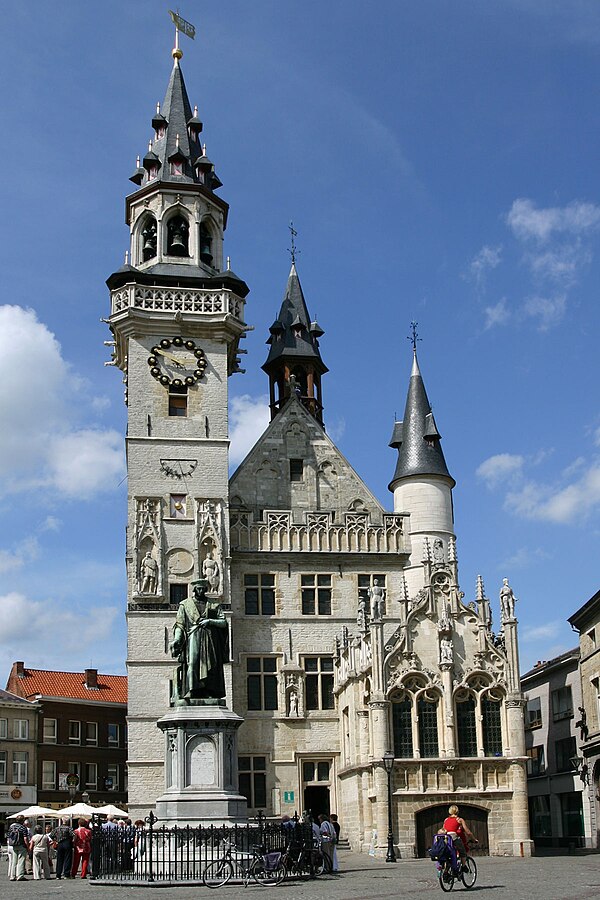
452	824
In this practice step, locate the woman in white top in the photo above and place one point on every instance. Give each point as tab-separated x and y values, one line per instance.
40	845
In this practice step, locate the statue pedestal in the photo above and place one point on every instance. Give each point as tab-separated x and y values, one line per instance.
201	767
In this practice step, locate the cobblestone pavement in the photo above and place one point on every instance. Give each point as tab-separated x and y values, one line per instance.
362	878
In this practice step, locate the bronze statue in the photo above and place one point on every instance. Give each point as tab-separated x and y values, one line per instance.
201	645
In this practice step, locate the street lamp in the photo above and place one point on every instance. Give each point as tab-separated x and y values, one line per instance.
388	765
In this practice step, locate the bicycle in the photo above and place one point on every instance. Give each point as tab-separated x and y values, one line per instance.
465	871
305	862
266	868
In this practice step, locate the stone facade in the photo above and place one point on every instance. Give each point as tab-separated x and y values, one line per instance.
341	612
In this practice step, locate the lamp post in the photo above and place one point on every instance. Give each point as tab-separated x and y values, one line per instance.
388	765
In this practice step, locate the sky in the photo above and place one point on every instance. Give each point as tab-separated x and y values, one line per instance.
439	160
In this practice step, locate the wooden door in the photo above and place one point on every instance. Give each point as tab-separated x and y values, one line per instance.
429	820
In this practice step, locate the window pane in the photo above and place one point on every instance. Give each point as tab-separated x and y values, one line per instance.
326	664
534	713
260	790
254	697
465	725
251	580
492	728
270	692
268	602
324	580
244	784
49	731
428	736
113	734
308	771
267	580
324	602
308	602
312	691
253	664
260	764
269	664
307	580
402	724
4	728
327	698
251	599
322	771
244	763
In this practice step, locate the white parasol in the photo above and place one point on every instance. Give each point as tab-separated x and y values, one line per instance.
79	809
36	812
111	810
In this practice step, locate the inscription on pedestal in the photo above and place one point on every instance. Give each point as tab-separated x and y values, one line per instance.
201	768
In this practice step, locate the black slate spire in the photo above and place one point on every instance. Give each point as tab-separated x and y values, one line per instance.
417	438
294	352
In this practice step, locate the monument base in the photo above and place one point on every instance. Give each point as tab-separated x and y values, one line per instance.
201	767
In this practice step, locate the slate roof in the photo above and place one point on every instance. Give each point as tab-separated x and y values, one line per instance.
71	685
417	438
181	138
293	317
7	697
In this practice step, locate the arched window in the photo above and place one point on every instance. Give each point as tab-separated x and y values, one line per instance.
402	728
492	725
148	238
428	726
178	237
206	254
465	725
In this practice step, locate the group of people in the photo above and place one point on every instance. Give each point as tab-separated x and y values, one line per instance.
38	850
326	834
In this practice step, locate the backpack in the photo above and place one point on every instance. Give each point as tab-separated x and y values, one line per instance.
15	837
440	849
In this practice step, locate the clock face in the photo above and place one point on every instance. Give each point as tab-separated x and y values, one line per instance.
177	362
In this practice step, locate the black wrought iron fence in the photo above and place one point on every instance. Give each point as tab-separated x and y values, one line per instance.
159	853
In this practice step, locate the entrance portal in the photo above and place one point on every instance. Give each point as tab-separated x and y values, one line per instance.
429	820
316	800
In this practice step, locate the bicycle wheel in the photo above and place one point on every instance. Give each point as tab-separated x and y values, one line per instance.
446	877
327	864
267	876
469	872
217	873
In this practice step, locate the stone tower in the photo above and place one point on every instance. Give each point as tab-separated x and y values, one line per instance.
177	316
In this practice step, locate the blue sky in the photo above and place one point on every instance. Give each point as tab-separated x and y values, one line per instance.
439	160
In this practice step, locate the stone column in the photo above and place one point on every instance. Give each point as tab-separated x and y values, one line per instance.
449	741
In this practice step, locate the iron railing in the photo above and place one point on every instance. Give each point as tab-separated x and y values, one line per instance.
181	854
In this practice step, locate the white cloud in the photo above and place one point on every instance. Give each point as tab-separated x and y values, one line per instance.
44	445
44	630
24	552
51	523
249	416
539	224
499	314
559	264
499	468
100	404
547	631
561	505
487	259
548	311
523	558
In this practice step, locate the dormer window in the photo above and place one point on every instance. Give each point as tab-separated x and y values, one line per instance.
177	167
178	237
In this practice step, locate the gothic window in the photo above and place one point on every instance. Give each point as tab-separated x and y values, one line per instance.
206	254
178	237
402	728
465	727
261	682
178	399
253	780
316	595
319	682
492	727
259	595
428	727
148	236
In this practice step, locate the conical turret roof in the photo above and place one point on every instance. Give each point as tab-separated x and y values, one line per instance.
417	438
293	334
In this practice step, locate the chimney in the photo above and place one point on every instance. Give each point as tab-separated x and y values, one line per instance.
20	669
91	679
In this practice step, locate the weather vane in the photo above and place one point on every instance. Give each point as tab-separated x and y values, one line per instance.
293	251
414	337
181	26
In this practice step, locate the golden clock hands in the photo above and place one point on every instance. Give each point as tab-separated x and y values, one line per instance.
168	356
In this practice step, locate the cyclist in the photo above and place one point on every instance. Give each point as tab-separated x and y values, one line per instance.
459	831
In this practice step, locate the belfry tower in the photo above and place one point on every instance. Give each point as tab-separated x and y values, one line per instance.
177	316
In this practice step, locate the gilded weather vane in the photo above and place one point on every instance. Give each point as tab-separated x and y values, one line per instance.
414	337
293	250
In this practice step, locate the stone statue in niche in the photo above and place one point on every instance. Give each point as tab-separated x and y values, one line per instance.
445	622
212	571
376	596
148	574
446	652
438	552
507	601
362	616
201	646
293	703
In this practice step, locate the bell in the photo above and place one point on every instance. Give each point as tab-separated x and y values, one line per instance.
205	254
177	243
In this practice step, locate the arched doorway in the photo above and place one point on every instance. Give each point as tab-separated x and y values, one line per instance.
429	820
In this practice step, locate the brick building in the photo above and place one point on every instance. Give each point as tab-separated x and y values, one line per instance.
82	730
18	755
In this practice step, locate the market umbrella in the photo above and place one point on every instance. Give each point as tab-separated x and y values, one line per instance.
79	809
111	810
36	812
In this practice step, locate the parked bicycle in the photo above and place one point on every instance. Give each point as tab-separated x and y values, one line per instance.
303	861
449	866
266	868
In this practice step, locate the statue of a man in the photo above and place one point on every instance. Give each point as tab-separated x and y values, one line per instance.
211	571
446	651
376	597
148	574
507	601
201	644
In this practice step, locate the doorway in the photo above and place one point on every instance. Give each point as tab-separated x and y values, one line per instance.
316	800
429	820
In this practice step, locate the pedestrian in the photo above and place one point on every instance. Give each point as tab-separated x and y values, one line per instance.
82	848
51	848
29	859
63	836
17	842
328	841
139	845
336	825
40	847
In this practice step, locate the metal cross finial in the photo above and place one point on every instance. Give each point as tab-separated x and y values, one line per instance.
293	251
414	337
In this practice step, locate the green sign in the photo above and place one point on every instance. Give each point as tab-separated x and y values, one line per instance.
288	796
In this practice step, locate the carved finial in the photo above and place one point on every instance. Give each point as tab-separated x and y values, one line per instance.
158	108
137	162
480	590
177	141
228	263
150	144
203	149
196	112
452	549
413	337
293	250
127	257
